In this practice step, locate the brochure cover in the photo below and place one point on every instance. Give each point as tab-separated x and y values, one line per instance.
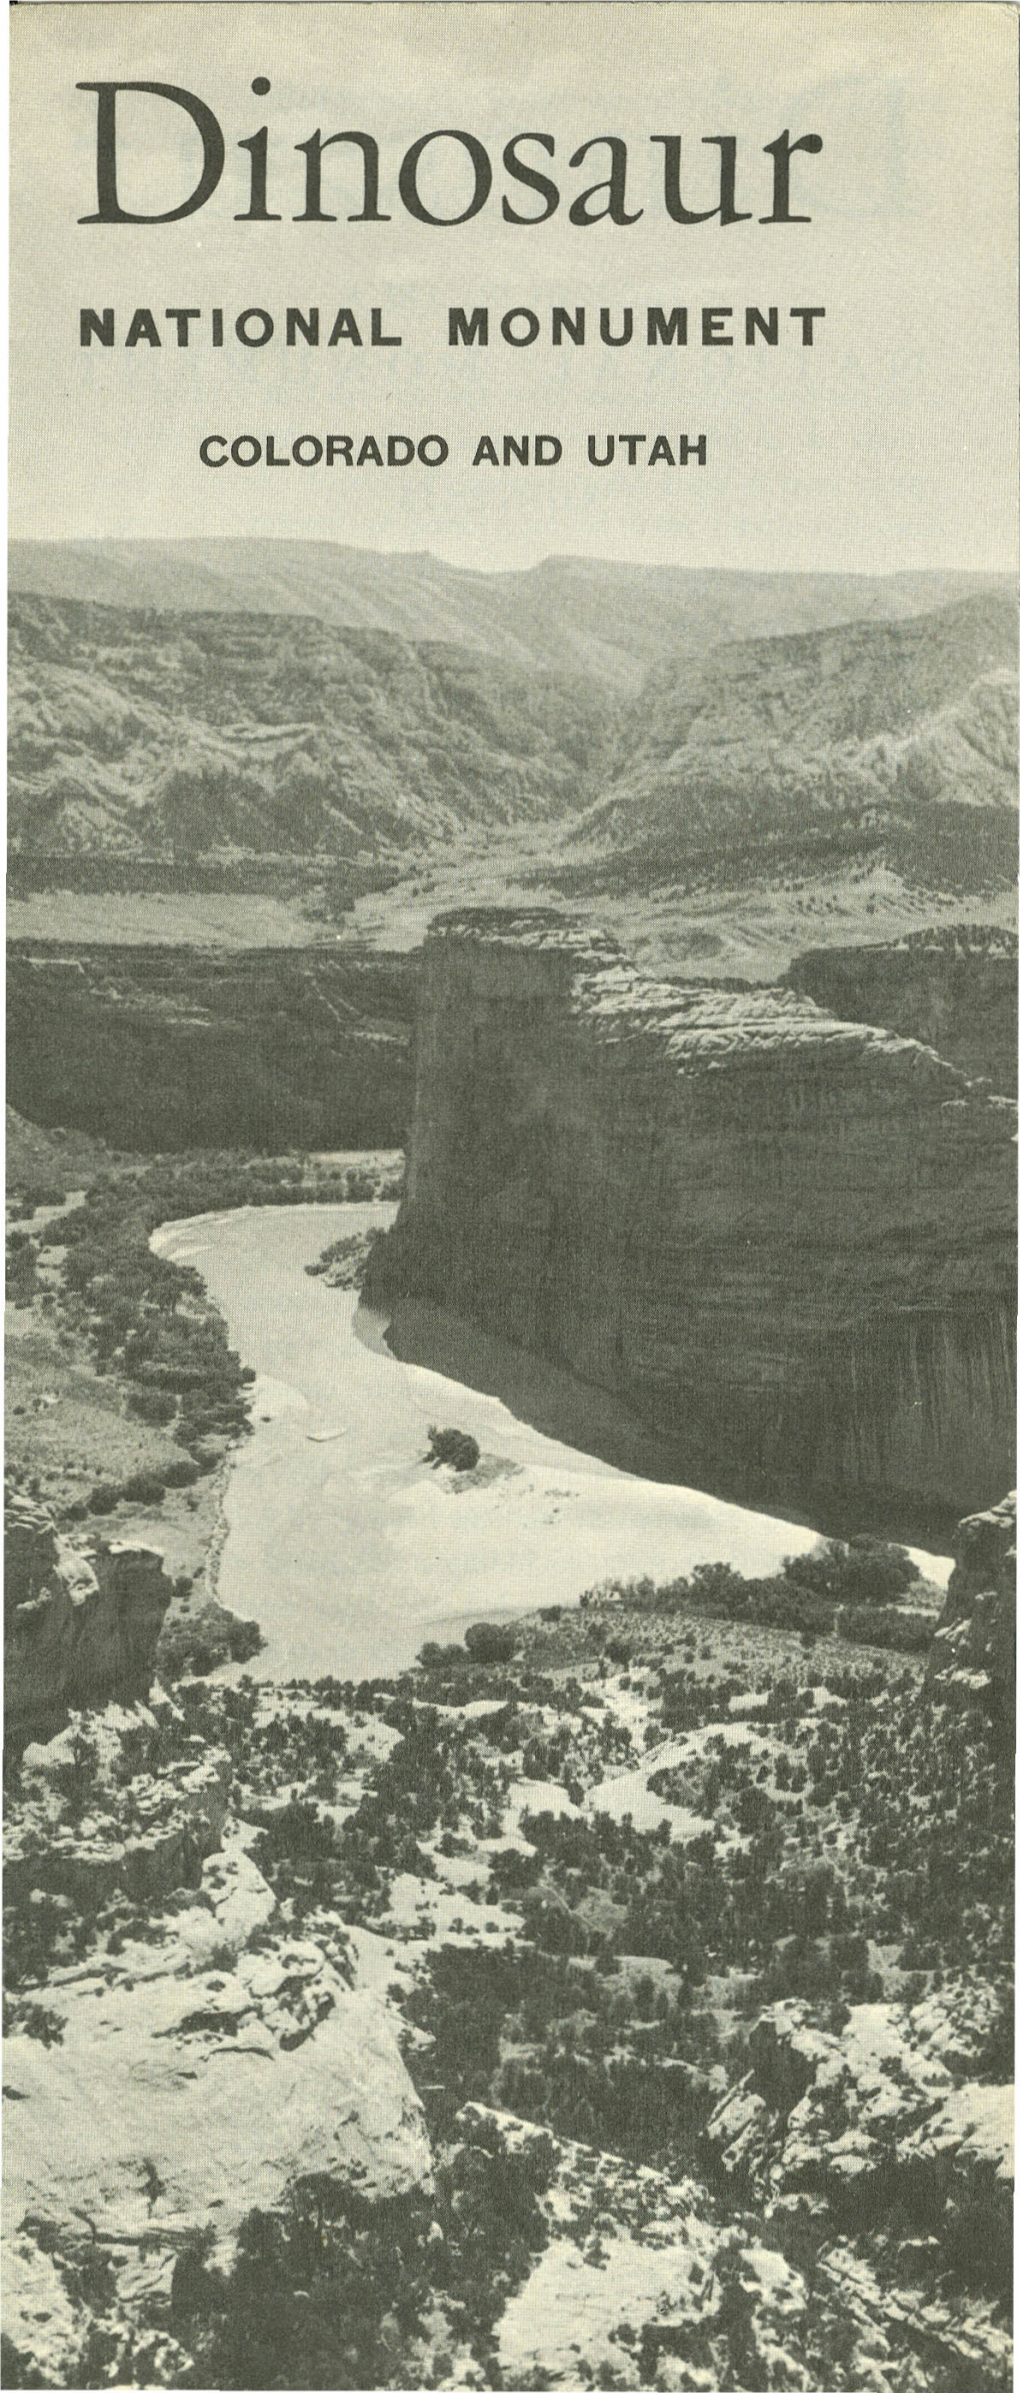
512	1022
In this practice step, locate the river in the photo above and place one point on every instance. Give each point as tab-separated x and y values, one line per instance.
339	1540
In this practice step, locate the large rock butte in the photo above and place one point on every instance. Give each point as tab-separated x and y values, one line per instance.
785	1240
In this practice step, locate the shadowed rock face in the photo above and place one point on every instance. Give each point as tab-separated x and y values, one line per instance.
784	1240
973	1655
153	1047
77	1631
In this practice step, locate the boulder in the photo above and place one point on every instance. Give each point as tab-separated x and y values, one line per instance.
176	2105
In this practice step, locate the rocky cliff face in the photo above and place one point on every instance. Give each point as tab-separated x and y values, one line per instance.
784	1240
953	989
973	1656
78	1630
180	1047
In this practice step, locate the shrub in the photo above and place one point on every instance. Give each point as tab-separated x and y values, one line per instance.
190	1647
104	1496
155	1405
180	1474
488	1642
866	1571
885	1625
144	1487
442	1657
454	1446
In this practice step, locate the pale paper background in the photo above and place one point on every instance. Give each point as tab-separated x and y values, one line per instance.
892	444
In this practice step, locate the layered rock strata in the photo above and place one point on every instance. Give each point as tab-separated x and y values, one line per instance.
170	1047
784	1240
956	989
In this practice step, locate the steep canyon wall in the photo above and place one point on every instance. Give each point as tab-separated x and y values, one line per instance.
784	1240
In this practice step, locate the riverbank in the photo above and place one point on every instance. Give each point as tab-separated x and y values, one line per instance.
341	1543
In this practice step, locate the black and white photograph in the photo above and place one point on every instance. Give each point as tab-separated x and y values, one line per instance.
509	1685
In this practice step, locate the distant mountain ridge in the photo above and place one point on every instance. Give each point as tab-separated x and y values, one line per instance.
894	740
610	620
161	731
207	733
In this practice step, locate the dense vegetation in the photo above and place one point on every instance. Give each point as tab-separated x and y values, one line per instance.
853	1590
344	1262
147	1321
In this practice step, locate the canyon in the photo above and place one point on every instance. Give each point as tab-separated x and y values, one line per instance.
800	1229
169	1046
681	751
619	1996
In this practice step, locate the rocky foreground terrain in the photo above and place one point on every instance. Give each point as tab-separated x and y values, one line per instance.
621	2001
768	1199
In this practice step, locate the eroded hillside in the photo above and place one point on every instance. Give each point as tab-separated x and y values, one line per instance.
869	749
168	732
591	615
892	743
